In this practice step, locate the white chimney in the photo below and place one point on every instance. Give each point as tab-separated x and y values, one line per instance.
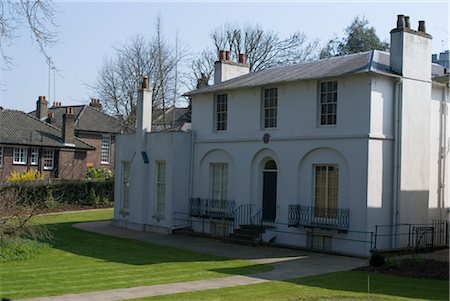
410	50
144	109
225	69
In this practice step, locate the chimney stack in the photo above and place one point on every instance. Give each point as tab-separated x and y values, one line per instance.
144	109
68	129
41	108
95	102
410	50
225	69
56	104
51	118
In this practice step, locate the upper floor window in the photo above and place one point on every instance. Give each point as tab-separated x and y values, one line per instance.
34	160
328	103
270	104
49	159
106	149
1	157
221	112
20	155
160	187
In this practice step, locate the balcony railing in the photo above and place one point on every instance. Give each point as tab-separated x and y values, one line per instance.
207	208
315	217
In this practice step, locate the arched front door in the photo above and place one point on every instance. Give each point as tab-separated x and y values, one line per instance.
270	191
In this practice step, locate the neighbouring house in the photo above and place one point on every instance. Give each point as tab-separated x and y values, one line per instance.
338	154
91	125
27	143
442	58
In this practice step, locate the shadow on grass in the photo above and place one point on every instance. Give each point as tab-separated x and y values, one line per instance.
359	282
133	252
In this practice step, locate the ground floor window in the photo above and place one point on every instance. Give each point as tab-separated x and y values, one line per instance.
160	187
49	159
219	181
326	186
126	182
34	160
20	155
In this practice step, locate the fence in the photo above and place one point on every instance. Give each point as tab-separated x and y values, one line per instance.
411	236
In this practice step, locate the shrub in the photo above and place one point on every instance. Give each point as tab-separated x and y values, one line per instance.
92	198
376	260
16	248
29	175
99	173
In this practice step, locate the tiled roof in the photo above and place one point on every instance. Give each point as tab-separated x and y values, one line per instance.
175	119
370	61
20	128
87	118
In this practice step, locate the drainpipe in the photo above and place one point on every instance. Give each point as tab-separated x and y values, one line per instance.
191	166
397	159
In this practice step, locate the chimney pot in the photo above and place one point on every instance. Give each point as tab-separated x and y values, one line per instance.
228	55
422	26
400	21
407	22
145	83
242	58
222	55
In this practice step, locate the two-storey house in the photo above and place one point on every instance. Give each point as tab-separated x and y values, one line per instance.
318	154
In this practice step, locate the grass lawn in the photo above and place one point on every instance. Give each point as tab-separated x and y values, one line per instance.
334	286
80	261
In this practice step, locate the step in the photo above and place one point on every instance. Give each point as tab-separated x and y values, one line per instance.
242	232
252	228
240	241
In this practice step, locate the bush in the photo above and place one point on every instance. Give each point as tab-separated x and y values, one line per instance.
29	175
99	173
376	260
13	249
69	192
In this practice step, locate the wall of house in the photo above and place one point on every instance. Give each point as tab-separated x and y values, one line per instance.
71	164
8	166
297	111
439	136
94	157
175	149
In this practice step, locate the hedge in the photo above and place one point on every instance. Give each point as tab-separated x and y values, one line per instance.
71	192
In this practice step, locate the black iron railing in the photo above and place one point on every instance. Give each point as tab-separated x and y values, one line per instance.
315	217
259	220
209	208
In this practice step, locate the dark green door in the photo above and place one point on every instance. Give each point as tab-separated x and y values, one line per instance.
269	195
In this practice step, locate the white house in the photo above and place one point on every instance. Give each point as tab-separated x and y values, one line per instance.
323	154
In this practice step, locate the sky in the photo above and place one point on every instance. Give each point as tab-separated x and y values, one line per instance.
88	31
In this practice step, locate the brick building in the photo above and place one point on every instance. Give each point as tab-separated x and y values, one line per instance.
27	143
91	125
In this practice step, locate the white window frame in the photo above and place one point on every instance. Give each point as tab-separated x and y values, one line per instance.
160	183
126	184
327	103
48	159
34	159
270	108
20	156
221	112
1	156
105	156
219	181
327	186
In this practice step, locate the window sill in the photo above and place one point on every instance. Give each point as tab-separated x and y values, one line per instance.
19	163
105	163
48	169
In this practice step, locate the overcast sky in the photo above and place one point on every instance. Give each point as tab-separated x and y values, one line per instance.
87	31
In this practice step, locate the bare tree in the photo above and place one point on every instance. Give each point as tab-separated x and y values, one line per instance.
264	49
37	15
119	77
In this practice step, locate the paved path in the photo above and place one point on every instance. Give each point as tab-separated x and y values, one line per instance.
286	263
